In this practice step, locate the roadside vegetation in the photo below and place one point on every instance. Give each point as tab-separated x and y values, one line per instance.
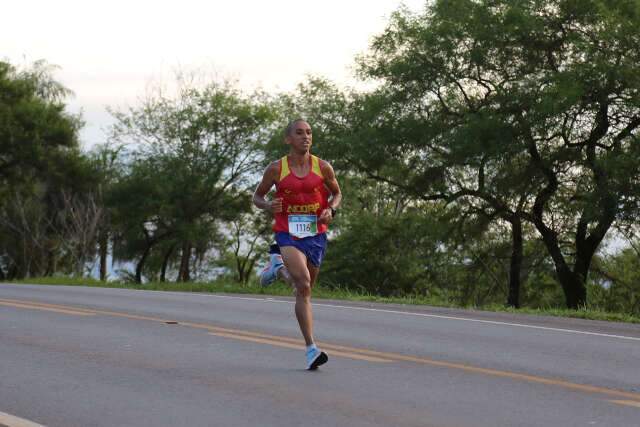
281	290
495	164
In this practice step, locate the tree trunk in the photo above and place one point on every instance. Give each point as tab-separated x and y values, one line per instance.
240	269
141	264
573	285
249	270
103	248
2	275
183	274
513	299
575	291
165	263
584	256
12	271
51	263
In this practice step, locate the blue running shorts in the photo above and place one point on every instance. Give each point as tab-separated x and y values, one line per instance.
313	247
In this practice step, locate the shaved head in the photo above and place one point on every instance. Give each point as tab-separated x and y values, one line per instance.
292	125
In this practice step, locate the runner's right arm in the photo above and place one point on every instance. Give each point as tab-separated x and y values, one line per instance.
269	179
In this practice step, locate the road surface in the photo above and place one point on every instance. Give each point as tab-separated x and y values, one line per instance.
79	356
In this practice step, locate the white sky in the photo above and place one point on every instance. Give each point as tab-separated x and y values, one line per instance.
109	51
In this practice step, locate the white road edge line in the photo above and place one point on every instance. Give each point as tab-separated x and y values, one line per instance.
11	421
438	316
408	313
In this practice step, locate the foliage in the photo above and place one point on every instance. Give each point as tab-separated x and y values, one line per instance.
196	155
616	283
529	107
46	185
498	149
320	292
33	123
246	241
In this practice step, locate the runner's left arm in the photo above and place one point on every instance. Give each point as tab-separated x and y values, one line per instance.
334	188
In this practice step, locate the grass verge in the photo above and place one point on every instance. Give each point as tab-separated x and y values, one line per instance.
320	292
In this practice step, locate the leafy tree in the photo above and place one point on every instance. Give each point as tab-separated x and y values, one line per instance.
616	281
135	202
33	122
197	155
245	242
382	255
108	163
41	167
49	224
529	107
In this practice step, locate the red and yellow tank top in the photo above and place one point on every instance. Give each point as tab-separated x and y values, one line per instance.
301	197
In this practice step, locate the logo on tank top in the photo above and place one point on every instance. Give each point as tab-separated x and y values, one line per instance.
311	207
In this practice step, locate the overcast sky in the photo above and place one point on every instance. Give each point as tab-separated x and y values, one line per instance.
110	51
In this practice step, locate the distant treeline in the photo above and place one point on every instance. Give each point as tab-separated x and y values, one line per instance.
496	158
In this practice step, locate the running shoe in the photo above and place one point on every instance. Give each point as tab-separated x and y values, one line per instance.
270	272
315	358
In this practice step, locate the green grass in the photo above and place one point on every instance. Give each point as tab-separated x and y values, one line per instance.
585	313
324	293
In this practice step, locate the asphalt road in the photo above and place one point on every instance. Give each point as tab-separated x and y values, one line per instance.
74	356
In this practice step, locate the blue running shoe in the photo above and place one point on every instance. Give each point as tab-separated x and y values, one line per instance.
315	358
270	272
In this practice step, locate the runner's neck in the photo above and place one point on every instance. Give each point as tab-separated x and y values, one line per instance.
300	163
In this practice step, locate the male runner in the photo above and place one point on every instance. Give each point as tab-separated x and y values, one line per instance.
306	199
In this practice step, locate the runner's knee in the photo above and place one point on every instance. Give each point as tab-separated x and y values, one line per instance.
303	289
301	277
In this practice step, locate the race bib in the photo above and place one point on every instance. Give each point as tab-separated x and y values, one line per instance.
303	225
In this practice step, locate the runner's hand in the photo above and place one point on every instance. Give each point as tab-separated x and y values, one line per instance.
325	217
275	206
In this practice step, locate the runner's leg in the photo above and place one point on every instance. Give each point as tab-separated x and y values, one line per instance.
296	264
313	273
284	274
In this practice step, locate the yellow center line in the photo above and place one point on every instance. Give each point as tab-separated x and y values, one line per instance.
12	421
41	304
348	352
351	352
626	403
426	361
33	304
52	309
297	346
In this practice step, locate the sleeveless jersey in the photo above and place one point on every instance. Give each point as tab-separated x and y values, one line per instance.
300	196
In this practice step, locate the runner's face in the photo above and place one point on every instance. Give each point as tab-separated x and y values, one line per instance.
300	137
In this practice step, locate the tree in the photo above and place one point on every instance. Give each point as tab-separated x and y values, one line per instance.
530	107
140	212
32	121
197	154
247	239
40	162
108	163
48	223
